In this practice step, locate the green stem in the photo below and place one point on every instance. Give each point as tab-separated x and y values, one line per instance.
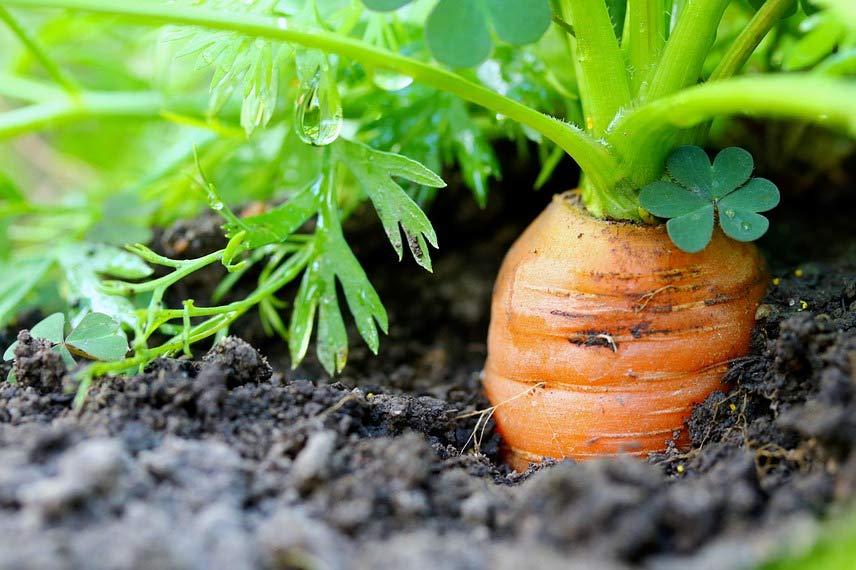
601	72
645	38
687	48
48	114
281	277
593	157
186	268
802	96
744	45
26	89
771	12
53	113
38	52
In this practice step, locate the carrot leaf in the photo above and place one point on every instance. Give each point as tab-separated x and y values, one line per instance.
374	170
700	192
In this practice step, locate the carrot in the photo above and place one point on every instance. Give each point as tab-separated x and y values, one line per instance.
611	333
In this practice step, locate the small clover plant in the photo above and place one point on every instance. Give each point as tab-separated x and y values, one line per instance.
458	33
701	192
96	337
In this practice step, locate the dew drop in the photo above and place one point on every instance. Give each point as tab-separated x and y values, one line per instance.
730	213
390	80
745	226
216	205
318	110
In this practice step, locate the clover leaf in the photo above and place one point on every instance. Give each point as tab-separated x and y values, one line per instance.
700	192
458	33
96	337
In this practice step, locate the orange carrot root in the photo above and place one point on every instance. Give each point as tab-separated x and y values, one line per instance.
625	331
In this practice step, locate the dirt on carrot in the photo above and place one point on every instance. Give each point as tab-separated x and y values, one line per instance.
232	460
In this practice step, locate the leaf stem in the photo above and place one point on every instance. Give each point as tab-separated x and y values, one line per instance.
32	44
687	48
594	158
803	96
48	113
602	74
645	38
771	12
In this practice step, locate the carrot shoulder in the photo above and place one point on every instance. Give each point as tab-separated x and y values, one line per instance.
603	334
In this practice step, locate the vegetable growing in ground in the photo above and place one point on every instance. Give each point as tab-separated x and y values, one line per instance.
319	106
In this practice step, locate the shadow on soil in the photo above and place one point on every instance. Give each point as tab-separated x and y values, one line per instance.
234	461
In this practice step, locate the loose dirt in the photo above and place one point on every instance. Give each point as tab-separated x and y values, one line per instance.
232	460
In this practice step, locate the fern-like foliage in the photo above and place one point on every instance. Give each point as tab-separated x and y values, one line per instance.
250	67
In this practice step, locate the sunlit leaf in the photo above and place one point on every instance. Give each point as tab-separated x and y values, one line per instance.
51	328
275	225
374	171
303	315
99	337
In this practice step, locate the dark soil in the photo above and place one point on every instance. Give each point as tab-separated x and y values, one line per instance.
234	461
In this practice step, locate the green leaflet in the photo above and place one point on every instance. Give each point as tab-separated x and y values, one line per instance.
385	5
458	31
20	279
240	64
83	266
334	262
374	171
701	190
275	225
457	34
521	22
97	337
437	129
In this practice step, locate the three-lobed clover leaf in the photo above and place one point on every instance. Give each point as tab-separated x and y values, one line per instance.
96	337
702	191
458	32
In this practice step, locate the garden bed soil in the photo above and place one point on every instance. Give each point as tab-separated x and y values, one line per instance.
232	460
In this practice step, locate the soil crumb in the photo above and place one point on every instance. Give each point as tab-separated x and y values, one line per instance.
234	461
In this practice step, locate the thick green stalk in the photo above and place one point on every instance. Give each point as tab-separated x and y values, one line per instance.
686	48
593	157
601	71
803	96
645	38
770	13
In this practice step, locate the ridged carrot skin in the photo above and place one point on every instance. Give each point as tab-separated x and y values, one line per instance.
603	334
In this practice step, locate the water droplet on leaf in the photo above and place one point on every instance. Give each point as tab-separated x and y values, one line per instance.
318	111
745	226
390	80
730	213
